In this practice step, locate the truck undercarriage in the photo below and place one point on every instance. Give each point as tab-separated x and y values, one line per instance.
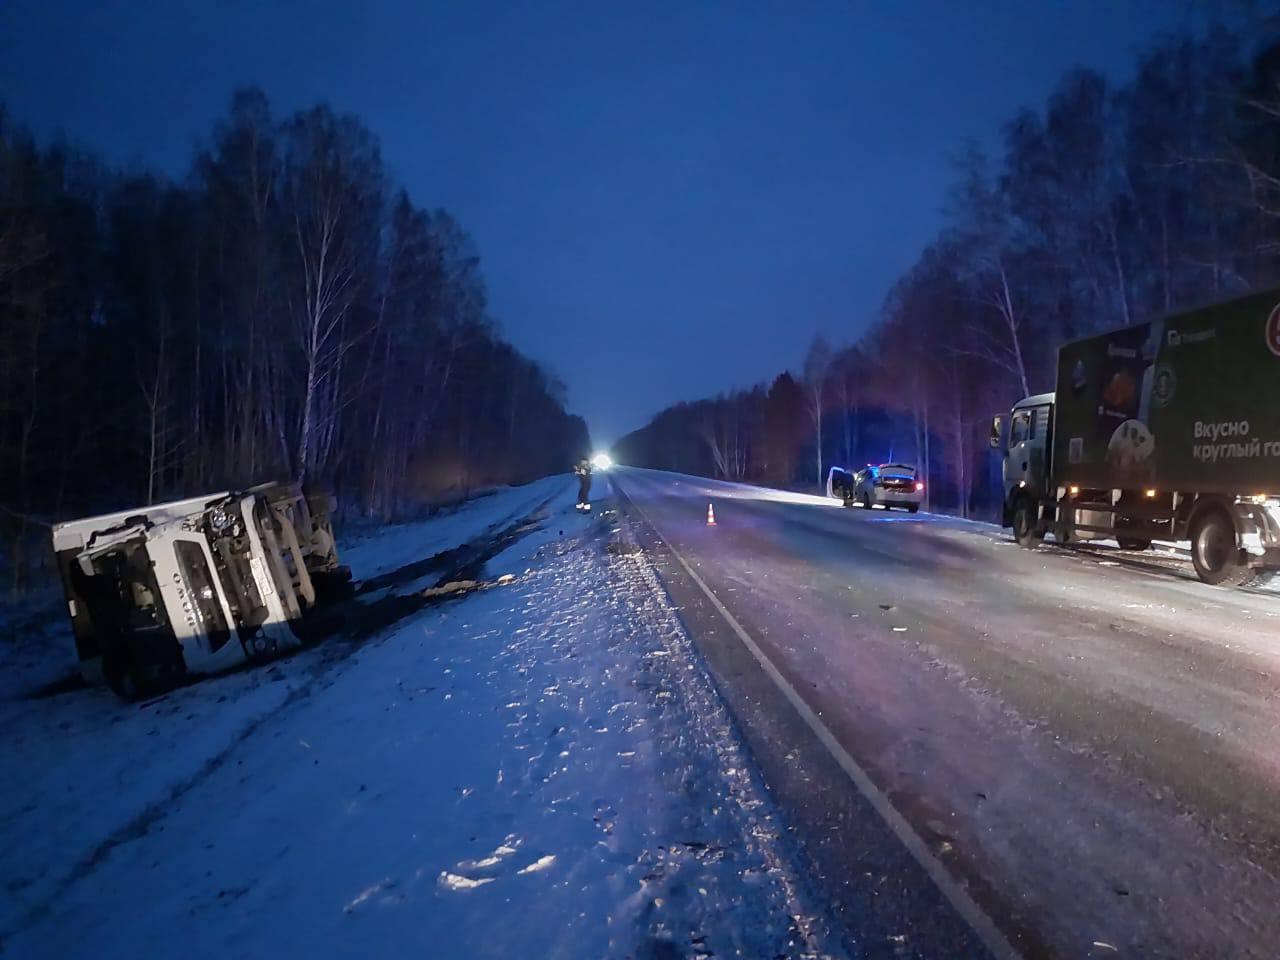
1234	541
196	586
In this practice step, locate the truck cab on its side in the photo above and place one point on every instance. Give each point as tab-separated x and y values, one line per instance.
195	586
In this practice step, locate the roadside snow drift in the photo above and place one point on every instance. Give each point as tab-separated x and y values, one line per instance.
539	768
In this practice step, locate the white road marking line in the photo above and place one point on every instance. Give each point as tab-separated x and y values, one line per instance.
981	924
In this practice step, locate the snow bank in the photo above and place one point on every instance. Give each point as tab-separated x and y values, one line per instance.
370	553
541	768
88	771
36	648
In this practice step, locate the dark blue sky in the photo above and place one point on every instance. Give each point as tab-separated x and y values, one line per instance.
670	198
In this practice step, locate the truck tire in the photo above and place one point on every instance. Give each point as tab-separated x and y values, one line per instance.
1214	551
125	678
912	507
333	586
1024	524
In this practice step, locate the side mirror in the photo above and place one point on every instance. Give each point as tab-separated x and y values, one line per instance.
997	428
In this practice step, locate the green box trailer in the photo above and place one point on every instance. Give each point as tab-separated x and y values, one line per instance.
1189	403
1169	429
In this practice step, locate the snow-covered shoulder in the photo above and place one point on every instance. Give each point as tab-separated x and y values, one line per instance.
83	769
372	552
540	767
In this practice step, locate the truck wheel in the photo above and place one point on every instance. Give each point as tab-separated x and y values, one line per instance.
123	677
1024	524
912	507
1214	551
1133	543
333	586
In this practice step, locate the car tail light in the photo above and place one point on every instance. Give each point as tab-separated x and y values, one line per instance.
919	486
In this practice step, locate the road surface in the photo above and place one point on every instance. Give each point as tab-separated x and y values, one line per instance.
1086	741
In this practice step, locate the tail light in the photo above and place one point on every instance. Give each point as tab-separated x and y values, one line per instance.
919	486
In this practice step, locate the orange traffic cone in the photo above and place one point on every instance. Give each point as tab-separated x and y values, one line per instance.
711	516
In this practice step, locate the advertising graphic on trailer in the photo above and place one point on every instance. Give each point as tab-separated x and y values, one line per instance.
1192	401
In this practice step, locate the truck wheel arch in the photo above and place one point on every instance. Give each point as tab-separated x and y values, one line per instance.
1234	569
1030	534
1203	504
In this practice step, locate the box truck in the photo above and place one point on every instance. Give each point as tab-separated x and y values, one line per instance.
1168	430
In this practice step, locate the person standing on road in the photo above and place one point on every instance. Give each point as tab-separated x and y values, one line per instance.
582	469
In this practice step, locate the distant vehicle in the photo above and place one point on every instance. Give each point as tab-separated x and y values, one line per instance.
888	485
195	586
1165	430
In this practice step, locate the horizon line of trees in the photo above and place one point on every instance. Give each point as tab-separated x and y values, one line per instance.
1108	206
282	311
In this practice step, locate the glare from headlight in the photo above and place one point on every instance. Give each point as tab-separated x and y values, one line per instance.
602	461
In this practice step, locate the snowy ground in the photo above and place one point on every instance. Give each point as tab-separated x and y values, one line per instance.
35	635
538	768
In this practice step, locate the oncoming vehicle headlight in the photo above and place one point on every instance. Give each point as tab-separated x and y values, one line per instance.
602	461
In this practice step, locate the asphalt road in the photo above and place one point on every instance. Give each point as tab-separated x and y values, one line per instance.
1086	741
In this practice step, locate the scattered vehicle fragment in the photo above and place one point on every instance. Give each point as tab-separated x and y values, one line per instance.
197	585
1166	430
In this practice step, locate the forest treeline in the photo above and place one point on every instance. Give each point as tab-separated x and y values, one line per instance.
1107	206
283	310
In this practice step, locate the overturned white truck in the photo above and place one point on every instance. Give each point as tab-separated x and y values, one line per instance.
197	585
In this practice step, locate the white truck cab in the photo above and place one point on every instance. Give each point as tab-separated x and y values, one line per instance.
1026	453
194	586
